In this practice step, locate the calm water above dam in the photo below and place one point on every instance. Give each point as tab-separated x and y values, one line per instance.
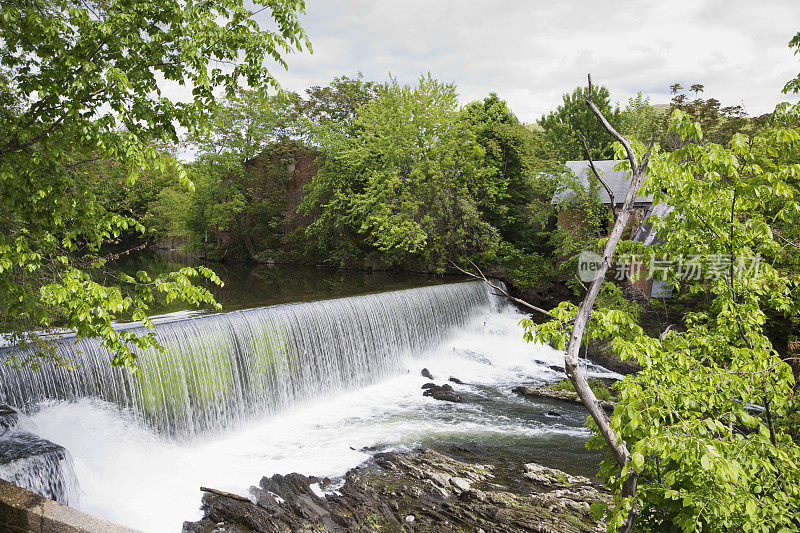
248	285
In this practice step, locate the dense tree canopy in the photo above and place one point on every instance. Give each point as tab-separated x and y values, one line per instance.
405	184
639	119
562	126
338	102
81	88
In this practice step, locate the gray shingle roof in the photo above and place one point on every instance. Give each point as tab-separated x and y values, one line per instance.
646	233
617	181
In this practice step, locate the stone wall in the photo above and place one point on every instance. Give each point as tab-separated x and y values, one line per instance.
22	511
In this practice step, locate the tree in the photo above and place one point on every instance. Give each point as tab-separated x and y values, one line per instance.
793	86
688	449
719	123
80	87
639	118
512	153
404	184
561	126
338	102
233	194
514	196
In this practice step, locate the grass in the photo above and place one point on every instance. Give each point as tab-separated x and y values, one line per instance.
599	388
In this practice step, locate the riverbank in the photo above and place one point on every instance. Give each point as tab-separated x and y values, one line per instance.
421	491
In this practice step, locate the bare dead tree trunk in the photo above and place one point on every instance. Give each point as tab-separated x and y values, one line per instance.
575	374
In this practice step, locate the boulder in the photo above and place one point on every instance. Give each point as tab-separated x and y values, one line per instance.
9	418
38	465
426	373
536	392
444	393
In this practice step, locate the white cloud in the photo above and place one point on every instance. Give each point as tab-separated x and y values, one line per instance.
531	52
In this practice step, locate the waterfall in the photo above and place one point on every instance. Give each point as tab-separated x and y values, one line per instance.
34	463
218	370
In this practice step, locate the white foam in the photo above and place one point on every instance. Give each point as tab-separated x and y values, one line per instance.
132	476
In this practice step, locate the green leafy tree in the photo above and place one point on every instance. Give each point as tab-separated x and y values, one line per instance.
639	119
793	86
404	185
137	200
719	123
683	428
236	191
562	126
514	196
339	101
512	153
81	86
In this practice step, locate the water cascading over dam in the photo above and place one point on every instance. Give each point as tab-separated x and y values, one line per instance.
224	368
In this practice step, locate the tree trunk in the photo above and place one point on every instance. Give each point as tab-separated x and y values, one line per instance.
576	376
251	249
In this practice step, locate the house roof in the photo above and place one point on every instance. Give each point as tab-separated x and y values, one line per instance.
617	181
646	233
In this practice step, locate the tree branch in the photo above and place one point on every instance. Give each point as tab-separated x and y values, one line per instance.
500	289
226	494
618	449
610	129
597	175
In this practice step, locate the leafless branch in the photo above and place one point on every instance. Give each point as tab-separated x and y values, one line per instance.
609	128
597	175
226	494
499	288
578	378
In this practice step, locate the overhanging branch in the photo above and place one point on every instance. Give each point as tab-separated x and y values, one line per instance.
499	288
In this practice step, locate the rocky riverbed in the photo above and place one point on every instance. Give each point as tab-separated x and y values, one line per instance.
411	492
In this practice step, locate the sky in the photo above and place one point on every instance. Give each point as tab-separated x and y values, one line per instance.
531	52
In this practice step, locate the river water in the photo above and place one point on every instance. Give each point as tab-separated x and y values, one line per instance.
135	472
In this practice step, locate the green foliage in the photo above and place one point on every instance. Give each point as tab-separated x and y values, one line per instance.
516	192
599	388
561	126
512	153
583	220
338	102
240	209
718	123
705	459
81	93
243	199
639	119
405	185
793	86
612	297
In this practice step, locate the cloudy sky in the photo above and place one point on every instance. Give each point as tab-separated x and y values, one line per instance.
530	52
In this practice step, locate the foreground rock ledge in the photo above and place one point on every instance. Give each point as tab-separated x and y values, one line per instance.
395	492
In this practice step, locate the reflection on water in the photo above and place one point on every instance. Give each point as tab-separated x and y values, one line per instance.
248	285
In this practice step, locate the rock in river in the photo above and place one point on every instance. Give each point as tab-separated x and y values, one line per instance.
392	491
444	393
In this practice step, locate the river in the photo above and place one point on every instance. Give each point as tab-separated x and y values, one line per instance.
346	382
